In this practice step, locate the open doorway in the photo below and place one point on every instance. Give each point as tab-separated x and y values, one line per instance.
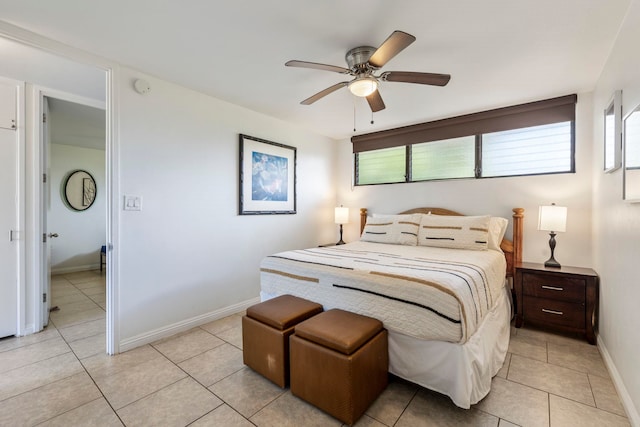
73	140
78	78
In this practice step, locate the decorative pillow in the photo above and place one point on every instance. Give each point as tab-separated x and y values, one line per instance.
456	232
497	228
393	229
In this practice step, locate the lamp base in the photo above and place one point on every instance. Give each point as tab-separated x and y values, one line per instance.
341	242
552	263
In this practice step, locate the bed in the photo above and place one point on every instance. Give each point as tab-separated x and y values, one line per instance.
438	280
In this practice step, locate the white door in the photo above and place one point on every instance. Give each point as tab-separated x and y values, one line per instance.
9	197
46	202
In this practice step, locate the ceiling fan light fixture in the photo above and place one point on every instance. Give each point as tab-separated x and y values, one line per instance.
363	86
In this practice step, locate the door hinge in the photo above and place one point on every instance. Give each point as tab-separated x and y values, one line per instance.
44	177
44	237
44	297
44	117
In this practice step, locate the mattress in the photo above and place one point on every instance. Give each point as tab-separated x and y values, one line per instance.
420	292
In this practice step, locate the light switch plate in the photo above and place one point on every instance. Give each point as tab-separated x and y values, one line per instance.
132	203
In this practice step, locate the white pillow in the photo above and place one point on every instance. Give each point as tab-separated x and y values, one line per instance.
456	232
392	229
497	228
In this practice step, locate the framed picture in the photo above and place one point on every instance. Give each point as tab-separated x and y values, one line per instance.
631	167
613	133
267	177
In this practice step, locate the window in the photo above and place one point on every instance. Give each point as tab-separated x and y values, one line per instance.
384	166
528	151
451	158
526	139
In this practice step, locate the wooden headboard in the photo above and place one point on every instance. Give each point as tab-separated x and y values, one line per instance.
512	248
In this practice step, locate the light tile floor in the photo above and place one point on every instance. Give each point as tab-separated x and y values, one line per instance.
62	377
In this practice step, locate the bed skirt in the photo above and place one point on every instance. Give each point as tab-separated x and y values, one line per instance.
461	371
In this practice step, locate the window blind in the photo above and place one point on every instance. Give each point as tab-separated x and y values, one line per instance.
555	110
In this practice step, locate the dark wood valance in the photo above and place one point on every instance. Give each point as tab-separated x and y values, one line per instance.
536	113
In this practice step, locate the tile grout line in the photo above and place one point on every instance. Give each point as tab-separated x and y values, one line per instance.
33	343
91	377
415	393
187	376
224	402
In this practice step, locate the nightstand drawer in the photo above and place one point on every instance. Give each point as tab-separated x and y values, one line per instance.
554	312
554	287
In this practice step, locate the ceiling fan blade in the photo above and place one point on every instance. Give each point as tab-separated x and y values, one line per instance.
324	93
420	78
393	45
316	66
375	102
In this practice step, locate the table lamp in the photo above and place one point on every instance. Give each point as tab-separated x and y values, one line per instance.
553	219
341	217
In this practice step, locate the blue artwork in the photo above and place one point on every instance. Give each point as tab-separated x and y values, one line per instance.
269	177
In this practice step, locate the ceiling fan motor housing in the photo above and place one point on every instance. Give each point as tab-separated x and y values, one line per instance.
358	57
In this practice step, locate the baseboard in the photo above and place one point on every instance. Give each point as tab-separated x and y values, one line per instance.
28	330
629	407
185	325
64	270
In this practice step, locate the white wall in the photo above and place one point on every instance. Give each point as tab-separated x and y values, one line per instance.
497	196
81	233
188	252
616	226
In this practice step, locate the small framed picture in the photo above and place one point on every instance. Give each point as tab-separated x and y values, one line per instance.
613	133
267	177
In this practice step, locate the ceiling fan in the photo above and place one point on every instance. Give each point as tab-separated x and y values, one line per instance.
363	62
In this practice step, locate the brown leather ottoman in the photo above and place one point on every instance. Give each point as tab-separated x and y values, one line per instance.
265	334
339	362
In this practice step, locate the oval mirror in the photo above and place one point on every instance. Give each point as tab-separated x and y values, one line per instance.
79	190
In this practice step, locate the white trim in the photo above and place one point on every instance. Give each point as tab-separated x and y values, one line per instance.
112	268
22	213
185	325
110	68
40	271
26	37
625	398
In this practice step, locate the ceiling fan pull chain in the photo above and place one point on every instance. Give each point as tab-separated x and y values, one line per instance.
371	116
354	114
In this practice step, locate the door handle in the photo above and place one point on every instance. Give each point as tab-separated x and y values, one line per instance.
53	235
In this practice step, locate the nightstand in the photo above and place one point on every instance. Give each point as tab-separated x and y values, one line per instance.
558	298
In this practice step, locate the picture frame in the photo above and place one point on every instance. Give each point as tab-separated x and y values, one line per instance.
267	177
613	133
631	157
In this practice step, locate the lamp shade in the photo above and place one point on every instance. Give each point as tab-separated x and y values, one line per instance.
342	215
552	218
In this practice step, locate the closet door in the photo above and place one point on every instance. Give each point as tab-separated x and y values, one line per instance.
9	197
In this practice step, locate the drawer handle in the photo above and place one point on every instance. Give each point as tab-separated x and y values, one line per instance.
559	313
552	288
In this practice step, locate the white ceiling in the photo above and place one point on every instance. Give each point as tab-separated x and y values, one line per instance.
498	52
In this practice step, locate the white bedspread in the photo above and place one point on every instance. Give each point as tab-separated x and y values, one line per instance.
422	292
